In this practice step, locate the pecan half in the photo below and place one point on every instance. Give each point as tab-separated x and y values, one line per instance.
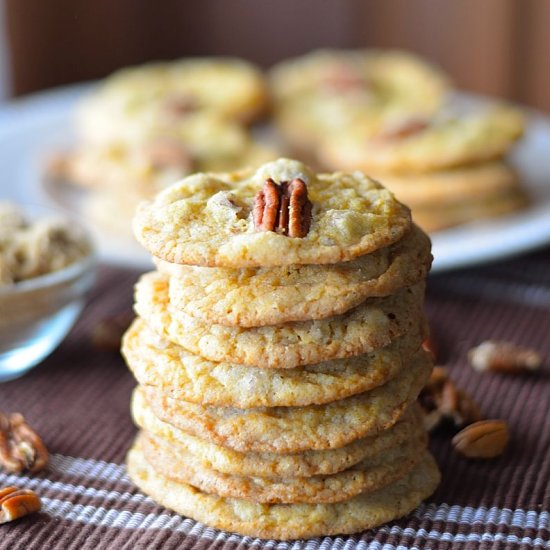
283	207
485	439
20	446
499	356
16	503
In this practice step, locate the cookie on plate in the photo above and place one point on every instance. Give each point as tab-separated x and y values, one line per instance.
423	145
473	182
167	93
473	211
326	91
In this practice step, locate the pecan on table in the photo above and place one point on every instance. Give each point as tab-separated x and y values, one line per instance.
16	503
501	356
21	449
484	439
283	208
444	404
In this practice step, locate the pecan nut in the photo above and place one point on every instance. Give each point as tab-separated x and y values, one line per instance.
343	78
444	403
485	439
283	208
179	105
401	130
16	503
168	153
20	446
499	356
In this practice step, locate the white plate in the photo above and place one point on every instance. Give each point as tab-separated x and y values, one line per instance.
38	124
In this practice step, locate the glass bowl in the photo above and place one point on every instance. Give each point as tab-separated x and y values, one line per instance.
37	313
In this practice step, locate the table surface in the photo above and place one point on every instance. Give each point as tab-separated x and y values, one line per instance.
78	400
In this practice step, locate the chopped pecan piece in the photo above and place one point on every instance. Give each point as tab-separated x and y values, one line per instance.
16	503
498	356
283	207
168	153
343	78
444	403
180	105
401	130
430	346
485	439
20	446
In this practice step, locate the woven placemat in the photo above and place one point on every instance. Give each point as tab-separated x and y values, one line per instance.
78	400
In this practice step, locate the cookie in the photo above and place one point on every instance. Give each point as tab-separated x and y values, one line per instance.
159	157
185	376
448	187
380	77
465	212
326	91
131	100
373	324
294	429
288	521
206	219
426	145
252	297
273	465
366	476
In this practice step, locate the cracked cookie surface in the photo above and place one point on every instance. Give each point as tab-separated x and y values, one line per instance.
366	476
371	325
288	521
171	369
294	429
275	465
252	297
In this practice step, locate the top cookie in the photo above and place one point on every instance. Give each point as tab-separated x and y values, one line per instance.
134	98
327	91
425	144
207	219
379	78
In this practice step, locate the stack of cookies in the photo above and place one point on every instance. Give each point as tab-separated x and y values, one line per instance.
278	351
449	169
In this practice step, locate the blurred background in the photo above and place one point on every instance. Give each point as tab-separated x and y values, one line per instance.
496	47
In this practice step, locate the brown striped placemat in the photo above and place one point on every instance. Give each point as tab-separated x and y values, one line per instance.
78	400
